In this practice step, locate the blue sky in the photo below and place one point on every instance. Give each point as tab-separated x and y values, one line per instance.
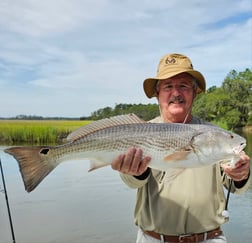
70	58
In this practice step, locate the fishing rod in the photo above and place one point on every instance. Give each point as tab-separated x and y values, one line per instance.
7	203
225	212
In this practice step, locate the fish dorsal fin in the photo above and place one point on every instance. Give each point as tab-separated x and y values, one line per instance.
104	123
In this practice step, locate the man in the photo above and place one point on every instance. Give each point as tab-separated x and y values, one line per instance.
190	209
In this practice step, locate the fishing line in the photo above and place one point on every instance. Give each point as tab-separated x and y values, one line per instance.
188	112
7	203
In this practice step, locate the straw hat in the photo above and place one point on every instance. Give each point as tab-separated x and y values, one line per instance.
169	66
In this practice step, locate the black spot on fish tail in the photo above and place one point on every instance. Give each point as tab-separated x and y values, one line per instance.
44	151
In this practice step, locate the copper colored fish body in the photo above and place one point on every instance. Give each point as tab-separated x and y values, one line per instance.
171	146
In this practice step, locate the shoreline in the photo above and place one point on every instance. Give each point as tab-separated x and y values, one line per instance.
246	129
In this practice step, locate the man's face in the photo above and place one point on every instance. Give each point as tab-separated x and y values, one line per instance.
175	96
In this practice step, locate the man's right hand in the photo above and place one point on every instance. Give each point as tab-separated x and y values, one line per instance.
132	162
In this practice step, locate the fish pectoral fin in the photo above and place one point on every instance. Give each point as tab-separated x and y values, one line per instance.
178	155
96	164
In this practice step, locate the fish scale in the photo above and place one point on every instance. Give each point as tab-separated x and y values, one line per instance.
121	137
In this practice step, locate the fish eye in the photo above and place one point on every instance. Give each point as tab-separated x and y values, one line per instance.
231	136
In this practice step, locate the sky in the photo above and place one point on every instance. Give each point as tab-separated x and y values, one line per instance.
70	58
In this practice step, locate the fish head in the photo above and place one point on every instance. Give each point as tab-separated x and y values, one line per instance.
218	144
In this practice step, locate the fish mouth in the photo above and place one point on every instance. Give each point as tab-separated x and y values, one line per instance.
239	149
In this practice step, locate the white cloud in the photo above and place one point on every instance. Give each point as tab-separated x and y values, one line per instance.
41	18
81	55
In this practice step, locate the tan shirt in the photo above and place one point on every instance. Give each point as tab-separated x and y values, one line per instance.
192	203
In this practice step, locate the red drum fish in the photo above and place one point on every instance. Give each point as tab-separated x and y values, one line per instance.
170	145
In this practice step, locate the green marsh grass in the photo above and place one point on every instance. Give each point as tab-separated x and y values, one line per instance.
37	131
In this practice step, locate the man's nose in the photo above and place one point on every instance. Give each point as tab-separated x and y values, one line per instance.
175	90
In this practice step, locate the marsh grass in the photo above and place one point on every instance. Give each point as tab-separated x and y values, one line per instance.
37	132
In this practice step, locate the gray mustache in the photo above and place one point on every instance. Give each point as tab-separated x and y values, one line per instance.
176	99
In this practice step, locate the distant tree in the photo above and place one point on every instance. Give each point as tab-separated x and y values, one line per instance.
102	113
28	117
238	86
146	112
231	103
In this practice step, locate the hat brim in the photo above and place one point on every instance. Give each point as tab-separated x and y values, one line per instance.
149	84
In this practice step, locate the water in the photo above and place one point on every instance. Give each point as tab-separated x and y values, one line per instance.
71	205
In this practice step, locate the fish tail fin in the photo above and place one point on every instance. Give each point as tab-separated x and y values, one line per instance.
34	164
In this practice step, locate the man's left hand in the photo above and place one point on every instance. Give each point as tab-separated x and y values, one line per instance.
241	169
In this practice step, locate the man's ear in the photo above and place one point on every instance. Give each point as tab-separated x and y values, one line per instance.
194	94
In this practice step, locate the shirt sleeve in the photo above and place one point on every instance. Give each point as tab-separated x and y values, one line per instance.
132	181
235	189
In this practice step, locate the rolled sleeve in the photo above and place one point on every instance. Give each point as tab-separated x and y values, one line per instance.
132	181
235	189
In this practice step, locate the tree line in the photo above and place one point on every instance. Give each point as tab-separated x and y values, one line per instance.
230	104
144	111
